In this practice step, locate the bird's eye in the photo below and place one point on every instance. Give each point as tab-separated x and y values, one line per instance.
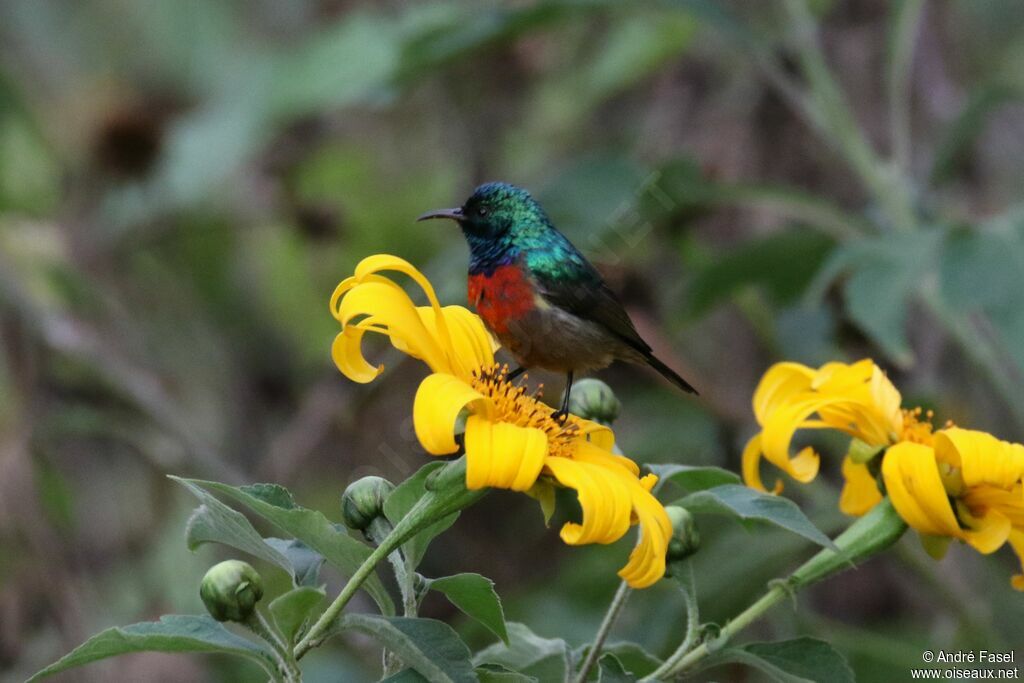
481	211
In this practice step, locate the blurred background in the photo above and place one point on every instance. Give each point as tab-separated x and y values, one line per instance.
182	184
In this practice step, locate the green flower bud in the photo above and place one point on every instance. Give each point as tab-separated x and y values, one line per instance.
230	590
363	501
685	540
594	400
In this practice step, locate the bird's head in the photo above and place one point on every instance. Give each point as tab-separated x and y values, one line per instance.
495	212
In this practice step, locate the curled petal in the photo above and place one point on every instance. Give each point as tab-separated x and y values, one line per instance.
987	532
439	400
915	488
647	561
503	455
779	385
1017	543
346	351
597	434
751	465
778	433
588	451
981	457
381	305
860	490
603	496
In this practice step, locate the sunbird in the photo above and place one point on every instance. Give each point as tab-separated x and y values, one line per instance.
538	294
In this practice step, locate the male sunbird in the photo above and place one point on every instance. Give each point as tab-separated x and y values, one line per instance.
536	292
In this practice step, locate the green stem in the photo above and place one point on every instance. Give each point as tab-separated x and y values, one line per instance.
449	495
692	622
867	536
901	57
617	603
257	623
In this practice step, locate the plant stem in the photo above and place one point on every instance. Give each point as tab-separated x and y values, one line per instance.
257	623
751	614
692	622
433	505
901	56
617	603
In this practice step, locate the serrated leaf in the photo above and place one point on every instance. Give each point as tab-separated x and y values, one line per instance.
309	526
610	670
429	646
402	499
745	503
173	633
292	610
475	596
692	477
215	522
547	659
802	660
305	561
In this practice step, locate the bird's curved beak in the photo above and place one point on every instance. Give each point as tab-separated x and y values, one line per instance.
451	214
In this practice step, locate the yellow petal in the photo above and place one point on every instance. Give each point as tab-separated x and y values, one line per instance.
472	346
502	455
346	351
1017	543
778	433
912	481
987	532
780	384
381	304
588	451
751	465
647	561
603	497
981	457
598	434
860	491
439	400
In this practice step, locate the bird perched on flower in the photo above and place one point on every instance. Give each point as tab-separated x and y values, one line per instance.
537	293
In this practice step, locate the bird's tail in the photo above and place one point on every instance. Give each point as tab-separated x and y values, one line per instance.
669	374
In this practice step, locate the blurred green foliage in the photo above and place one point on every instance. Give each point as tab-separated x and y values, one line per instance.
182	184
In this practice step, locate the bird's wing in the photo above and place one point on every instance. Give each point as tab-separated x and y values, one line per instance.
584	293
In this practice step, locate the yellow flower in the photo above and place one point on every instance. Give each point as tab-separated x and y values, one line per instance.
857	399
967	485
510	439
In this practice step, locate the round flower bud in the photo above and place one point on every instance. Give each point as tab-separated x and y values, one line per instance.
230	590
363	501
685	540
594	400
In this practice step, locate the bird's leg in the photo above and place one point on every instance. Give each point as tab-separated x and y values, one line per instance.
562	413
515	373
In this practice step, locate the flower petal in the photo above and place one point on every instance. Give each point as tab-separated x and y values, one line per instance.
860	491
780	384
751	465
915	488
1017	543
439	400
603	496
981	457
346	351
503	455
472	346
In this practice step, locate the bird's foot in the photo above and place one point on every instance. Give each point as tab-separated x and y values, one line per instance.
561	416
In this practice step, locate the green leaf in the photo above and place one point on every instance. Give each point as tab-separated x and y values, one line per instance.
274	504
215	522
474	594
735	500
496	673
692	477
883	273
404	676
610	670
802	660
402	499
429	646
305	562
292	610
173	633
634	659
547	659
783	264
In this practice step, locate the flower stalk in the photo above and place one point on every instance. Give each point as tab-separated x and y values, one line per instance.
447	495
867	536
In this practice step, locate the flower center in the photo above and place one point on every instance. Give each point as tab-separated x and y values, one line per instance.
515	406
917	429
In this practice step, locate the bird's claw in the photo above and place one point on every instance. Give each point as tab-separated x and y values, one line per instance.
560	416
